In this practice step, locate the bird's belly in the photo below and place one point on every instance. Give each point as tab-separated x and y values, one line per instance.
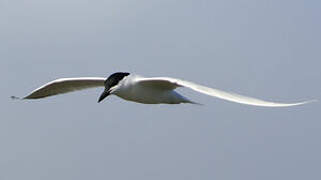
152	96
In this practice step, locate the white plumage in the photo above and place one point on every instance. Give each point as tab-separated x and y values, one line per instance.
156	90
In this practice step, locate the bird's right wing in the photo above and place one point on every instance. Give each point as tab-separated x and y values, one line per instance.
65	85
171	83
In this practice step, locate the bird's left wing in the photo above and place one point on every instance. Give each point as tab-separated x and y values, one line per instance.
171	83
65	85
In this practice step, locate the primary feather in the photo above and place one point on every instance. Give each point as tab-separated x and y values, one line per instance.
171	83
65	85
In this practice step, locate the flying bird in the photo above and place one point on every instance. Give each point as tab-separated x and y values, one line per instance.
155	90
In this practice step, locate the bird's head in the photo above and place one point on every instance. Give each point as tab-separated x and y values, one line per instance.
111	83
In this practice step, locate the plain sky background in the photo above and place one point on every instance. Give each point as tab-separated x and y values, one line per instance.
266	49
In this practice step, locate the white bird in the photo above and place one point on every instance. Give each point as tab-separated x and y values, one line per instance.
155	90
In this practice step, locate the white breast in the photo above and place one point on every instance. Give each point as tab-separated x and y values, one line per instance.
130	90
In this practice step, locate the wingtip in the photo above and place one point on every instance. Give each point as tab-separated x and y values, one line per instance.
15	98
304	102
21	98
311	101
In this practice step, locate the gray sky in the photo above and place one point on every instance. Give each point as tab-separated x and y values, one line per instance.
265	49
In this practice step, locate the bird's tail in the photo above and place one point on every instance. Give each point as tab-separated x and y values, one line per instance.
192	102
186	100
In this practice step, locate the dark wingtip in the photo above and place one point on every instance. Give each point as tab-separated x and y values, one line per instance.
15	97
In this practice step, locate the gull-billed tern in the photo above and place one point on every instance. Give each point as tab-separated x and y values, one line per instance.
155	90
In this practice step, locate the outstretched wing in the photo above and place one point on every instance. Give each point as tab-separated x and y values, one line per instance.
65	85
171	83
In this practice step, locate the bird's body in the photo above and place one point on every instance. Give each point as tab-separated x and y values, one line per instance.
132	90
156	90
